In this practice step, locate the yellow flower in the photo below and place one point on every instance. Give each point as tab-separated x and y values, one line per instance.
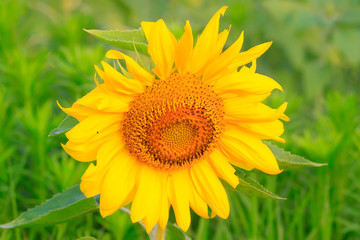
165	138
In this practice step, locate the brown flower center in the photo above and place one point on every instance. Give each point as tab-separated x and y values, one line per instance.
174	122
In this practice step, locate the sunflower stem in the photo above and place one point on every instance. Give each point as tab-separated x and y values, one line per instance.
157	233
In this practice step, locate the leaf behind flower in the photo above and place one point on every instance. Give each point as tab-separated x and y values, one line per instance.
133	40
288	161
250	186
66	124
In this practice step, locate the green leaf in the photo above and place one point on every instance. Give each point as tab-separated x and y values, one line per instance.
61	207
125	39
289	161
66	124
251	187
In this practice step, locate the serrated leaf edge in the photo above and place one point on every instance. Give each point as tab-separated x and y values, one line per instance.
109	39
242	177
264	190
9	224
308	163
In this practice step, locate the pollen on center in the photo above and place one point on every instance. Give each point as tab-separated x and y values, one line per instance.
174	122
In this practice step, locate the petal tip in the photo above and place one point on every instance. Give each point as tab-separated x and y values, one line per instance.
59	105
222	10
112	54
104	213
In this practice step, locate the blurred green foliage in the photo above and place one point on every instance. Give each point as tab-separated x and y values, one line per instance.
45	56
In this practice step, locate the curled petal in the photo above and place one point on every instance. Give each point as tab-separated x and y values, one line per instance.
133	67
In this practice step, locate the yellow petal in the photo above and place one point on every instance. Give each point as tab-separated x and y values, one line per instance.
78	111
250	55
109	133
209	43
284	118
222	168
118	184
238	110
165	204
101	73
236	162
179	195
90	188
92	98
184	49
109	152
91	126
94	175
220	66
161	47
249	149
210	187
264	130
246	82
115	104
220	43
106	155
133	67
113	84
120	82
82	156
197	203
139	206
147	201
102	100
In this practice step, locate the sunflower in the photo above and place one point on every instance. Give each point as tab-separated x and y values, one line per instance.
164	138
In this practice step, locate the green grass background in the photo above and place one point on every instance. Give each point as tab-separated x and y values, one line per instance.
46	56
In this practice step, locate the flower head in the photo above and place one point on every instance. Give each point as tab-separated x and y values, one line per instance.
165	138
